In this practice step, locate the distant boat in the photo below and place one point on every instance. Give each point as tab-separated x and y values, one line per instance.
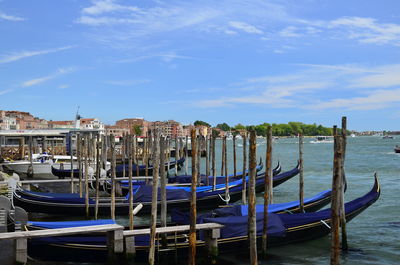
387	137
322	140
41	163
397	149
352	135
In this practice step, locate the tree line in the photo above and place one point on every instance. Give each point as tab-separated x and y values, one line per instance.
282	129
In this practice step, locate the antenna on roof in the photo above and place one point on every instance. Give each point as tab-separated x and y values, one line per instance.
77	116
77	119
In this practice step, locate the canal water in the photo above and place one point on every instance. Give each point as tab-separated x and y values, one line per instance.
373	236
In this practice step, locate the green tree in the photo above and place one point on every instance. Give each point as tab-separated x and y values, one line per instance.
137	130
198	122
225	127
261	130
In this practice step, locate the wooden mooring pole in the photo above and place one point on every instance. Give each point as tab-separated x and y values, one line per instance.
71	155
131	152
244	200
268	166
343	181
301	180
267	194
98	167
252	200
30	172
336	198
113	173
163	188
227	196
193	210
79	154
207	139
213	168
87	148
156	166
234	156
198	160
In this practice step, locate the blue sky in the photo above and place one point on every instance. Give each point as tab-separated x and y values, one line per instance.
234	61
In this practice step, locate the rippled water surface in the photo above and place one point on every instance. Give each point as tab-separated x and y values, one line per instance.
373	236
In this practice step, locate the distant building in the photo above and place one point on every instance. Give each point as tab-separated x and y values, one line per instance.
91	124
61	124
115	130
131	123
7	123
168	128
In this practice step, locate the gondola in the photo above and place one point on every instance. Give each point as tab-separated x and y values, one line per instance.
219	179
177	197
142	168
283	229
182	179
66	173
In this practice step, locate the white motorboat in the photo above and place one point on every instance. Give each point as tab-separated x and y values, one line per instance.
41	163
322	140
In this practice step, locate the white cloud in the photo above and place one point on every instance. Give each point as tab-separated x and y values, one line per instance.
290	32
106	6
377	99
245	27
5	91
25	54
43	79
127	82
10	17
319	87
368	30
386	76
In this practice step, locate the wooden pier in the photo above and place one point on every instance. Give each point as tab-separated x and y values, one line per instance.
116	236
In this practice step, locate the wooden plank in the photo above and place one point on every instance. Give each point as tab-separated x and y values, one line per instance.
60	231
172	229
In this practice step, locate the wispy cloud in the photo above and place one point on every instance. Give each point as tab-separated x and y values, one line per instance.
127	82
377	99
43	79
368	30
26	54
5	91
245	27
290	32
10	17
318	87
